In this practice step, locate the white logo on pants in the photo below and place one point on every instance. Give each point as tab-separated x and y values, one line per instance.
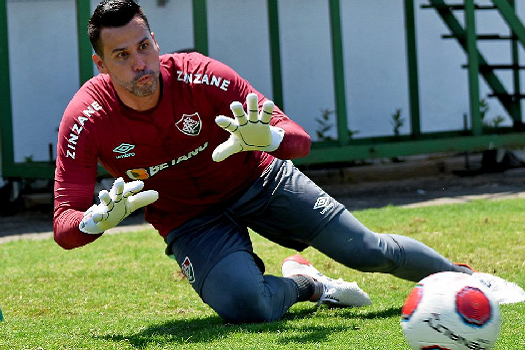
325	203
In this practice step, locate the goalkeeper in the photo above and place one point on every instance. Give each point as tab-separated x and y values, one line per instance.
208	157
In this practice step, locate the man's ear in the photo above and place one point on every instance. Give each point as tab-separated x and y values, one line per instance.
155	41
99	62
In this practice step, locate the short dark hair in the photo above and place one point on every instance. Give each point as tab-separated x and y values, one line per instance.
111	14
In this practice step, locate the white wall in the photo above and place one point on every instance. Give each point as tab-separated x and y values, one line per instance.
44	63
172	24
238	36
376	69
44	71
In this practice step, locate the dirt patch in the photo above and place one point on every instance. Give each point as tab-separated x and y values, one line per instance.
401	188
431	190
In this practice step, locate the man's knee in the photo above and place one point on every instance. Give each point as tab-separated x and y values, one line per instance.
375	260
355	246
380	253
237	305
234	288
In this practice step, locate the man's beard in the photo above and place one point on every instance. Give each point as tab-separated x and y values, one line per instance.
142	90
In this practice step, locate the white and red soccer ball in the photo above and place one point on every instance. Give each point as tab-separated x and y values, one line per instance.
450	311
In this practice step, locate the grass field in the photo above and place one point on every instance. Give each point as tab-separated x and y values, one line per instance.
122	292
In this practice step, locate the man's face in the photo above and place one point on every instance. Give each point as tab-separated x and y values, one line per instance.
131	58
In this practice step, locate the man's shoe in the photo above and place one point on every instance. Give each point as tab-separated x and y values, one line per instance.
335	292
503	291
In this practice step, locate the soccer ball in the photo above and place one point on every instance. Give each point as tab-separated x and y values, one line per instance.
450	311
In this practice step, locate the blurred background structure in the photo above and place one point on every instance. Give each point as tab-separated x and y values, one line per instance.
382	79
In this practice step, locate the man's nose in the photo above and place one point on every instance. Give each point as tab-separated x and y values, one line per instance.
138	63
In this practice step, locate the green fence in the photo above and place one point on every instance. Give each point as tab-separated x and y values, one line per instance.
344	148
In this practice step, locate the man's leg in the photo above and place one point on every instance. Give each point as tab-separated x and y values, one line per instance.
290	209
349	242
216	255
238	291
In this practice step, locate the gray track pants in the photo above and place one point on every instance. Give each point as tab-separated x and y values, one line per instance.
289	209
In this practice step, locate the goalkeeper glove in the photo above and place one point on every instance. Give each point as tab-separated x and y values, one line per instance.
252	133
115	206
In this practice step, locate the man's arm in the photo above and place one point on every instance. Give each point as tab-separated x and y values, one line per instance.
70	201
76	169
296	142
76	222
252	129
75	176
75	228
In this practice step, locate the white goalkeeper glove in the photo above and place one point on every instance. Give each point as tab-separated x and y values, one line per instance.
115	206
252	133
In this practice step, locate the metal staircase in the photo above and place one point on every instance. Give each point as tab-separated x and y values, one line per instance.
477	64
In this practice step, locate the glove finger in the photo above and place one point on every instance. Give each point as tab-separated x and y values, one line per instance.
132	187
266	112
252	104
117	190
93	212
105	199
92	209
238	112
226	149
227	123
97	217
142	199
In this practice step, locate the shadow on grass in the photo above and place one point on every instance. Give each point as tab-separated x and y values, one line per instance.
211	329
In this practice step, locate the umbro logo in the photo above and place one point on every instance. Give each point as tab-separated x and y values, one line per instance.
325	203
124	150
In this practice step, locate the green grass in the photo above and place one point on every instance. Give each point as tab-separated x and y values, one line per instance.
122	292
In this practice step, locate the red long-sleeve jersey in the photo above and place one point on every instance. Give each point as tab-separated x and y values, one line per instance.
168	147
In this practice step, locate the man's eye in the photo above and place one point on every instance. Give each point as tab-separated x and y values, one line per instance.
144	46
122	55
